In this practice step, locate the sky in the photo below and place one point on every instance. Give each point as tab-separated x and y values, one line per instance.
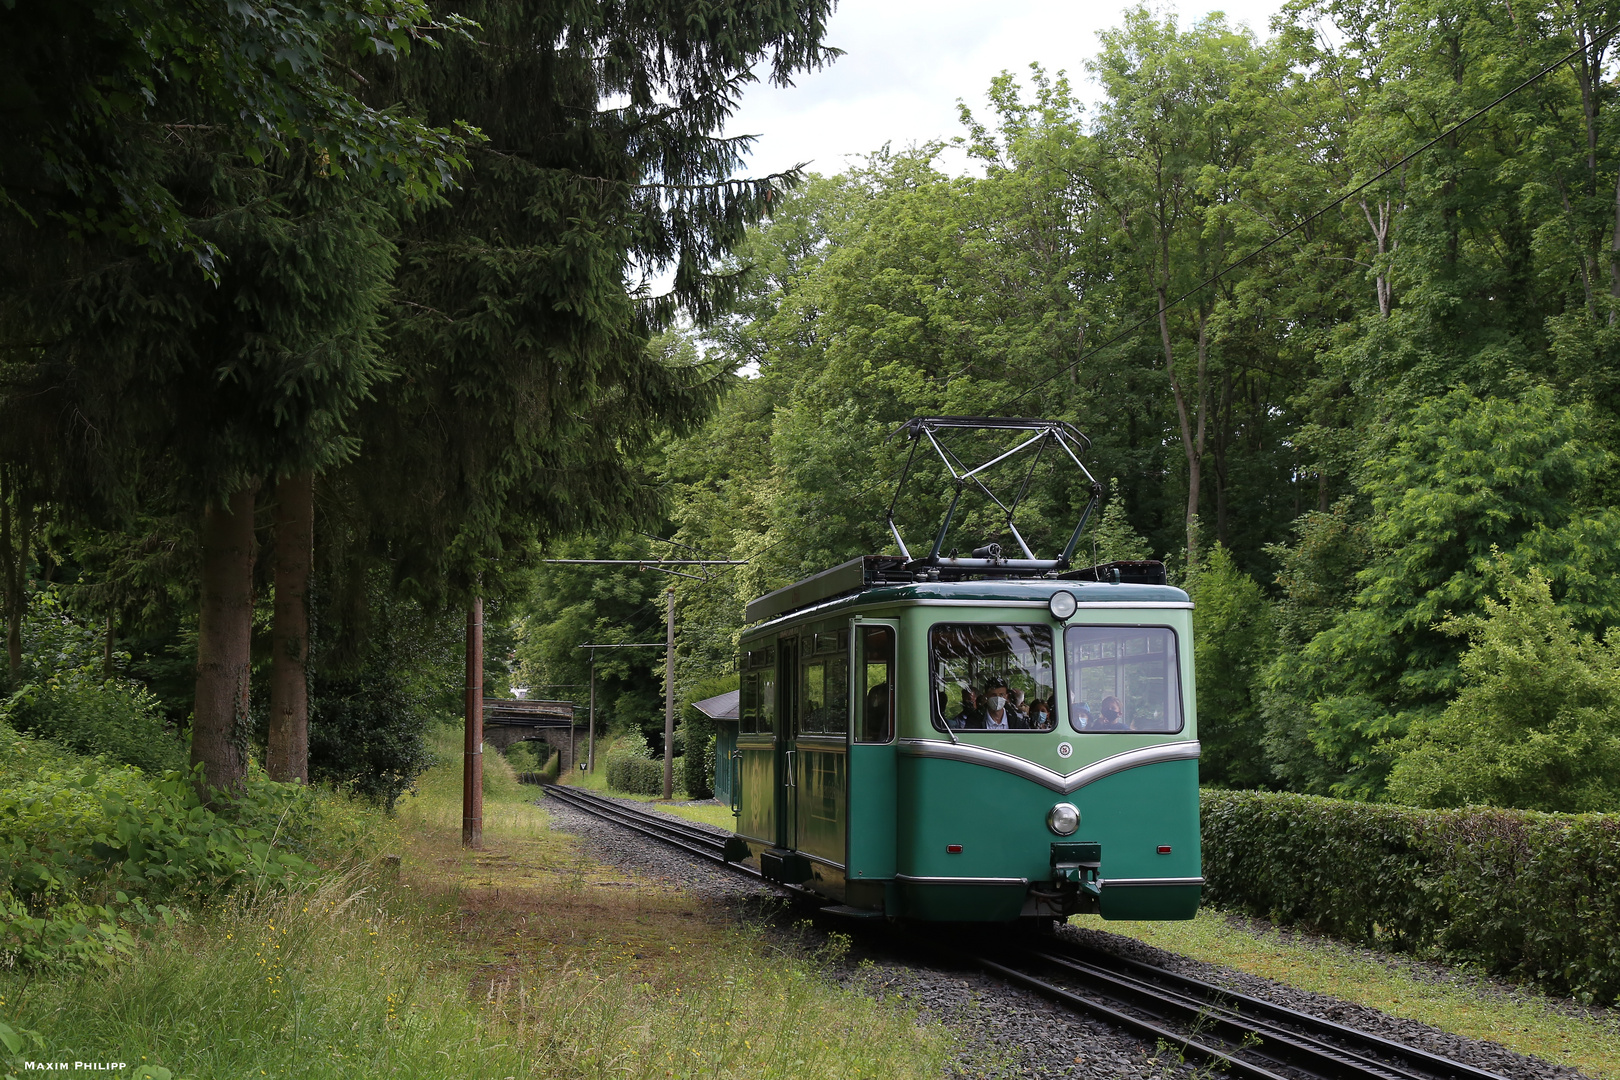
907	62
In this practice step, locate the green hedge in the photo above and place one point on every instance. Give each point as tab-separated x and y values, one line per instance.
1525	894
636	775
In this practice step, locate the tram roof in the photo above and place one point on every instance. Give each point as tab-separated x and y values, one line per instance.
881	578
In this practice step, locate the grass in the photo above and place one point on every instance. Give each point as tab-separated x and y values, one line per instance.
1454	1001
523	959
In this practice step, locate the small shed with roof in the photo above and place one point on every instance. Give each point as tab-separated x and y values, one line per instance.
722	709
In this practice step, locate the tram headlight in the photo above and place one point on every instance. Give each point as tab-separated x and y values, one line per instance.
1063	819
1062	604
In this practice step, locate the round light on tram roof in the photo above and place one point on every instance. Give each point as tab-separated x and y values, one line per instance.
1062	604
1063	819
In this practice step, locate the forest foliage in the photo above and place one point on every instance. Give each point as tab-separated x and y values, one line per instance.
1379	453
315	320
409	307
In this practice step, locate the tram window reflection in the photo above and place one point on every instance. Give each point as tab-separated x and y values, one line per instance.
989	677
825	683
757	697
876	685
1123	678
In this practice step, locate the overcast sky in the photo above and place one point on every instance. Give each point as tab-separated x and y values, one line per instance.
907	61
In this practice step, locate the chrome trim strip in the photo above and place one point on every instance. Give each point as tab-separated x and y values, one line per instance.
908	879
1122	605
1104	883
800	613
1062	783
823	862
839	601
940	602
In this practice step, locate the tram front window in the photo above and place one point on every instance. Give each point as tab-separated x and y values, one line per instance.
1123	678
992	677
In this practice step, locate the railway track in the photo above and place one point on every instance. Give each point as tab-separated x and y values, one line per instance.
695	841
1236	1034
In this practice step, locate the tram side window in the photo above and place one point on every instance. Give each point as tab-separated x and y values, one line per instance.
756	705
877	685
1123	678
748	703
992	677
824	684
767	701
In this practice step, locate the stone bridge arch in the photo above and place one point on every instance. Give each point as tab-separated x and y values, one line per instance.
513	720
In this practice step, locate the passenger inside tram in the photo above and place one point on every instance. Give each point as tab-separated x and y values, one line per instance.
999	672
998	710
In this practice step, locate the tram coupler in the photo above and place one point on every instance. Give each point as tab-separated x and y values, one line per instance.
1077	864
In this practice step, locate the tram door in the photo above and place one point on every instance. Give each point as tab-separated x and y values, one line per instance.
757	743
821	748
875	701
787	734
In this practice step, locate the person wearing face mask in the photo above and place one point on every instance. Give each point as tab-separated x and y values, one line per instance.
997	709
1040	715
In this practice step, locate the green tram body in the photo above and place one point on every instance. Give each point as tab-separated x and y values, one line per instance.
919	827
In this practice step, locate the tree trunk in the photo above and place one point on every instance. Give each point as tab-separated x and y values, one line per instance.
224	637
1192	441
16	529
472	761
1220	446
1614	251
107	648
287	749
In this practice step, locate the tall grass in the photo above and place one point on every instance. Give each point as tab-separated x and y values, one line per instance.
324	982
355	976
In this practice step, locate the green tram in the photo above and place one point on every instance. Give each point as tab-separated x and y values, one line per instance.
1019	743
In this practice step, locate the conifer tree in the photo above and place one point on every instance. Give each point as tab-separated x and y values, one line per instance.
176	392
528	382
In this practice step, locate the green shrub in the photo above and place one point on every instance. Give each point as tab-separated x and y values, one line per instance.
707	751
1537	722
112	718
93	854
62	694
631	768
367	733
553	766
1525	894
635	776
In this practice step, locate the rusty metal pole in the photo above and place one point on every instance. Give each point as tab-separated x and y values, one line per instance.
669	694
472	773
590	744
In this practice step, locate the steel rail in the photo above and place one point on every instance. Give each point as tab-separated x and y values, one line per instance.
1206	1023
702	844
1385	1053
1274	1045
1147	1030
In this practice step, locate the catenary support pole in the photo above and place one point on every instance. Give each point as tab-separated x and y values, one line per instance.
590	741
669	694
472	773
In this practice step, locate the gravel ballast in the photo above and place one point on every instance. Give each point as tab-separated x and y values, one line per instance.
1008	1032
